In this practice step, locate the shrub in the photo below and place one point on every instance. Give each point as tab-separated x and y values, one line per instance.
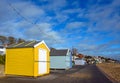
2	59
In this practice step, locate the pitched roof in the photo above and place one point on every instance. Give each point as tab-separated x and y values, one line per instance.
60	52
1	46
23	44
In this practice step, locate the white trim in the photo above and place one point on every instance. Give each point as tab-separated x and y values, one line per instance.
67	51
41	43
42	64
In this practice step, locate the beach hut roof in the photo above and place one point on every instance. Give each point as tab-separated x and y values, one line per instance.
27	44
60	52
23	44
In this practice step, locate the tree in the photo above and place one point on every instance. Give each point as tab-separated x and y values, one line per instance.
20	40
51	49
88	57
2	59
11	40
3	39
74	52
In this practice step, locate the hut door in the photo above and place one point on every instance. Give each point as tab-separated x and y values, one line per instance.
68	61
42	61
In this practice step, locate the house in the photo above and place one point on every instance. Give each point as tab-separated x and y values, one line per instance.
74	57
80	61
77	56
111	61
27	59
60	59
2	50
80	56
98	59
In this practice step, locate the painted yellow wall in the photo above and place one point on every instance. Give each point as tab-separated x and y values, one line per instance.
19	61
42	46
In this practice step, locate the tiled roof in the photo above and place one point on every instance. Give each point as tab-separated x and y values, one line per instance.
23	44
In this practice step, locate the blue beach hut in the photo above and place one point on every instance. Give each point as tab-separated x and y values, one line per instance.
60	59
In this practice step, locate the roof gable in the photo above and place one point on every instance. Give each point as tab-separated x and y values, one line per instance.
41	43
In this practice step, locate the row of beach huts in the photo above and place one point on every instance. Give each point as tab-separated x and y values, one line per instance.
35	59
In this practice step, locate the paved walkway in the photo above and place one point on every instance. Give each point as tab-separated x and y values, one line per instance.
78	74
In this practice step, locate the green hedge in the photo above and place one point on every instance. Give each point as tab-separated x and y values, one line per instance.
2	59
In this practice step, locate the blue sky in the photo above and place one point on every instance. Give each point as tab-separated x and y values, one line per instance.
91	26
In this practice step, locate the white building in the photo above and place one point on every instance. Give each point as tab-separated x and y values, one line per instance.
2	50
98	59
79	61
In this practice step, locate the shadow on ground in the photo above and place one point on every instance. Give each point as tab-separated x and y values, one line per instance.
77	74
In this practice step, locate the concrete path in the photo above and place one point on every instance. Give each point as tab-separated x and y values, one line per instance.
2	70
78	74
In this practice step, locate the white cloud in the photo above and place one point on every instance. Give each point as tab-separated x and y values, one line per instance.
13	28
73	25
16	25
61	17
106	17
28	9
5	12
109	48
43	31
88	29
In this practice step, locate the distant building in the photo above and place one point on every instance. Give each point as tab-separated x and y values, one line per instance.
111	61
79	61
2	50
98	59
77	56
73	58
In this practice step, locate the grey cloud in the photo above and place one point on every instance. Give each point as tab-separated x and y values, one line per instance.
28	9
105	17
5	12
44	31
15	25
103	49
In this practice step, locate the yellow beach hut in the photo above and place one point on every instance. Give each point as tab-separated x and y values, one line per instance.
27	59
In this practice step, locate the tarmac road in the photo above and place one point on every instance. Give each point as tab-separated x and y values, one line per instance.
77	74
